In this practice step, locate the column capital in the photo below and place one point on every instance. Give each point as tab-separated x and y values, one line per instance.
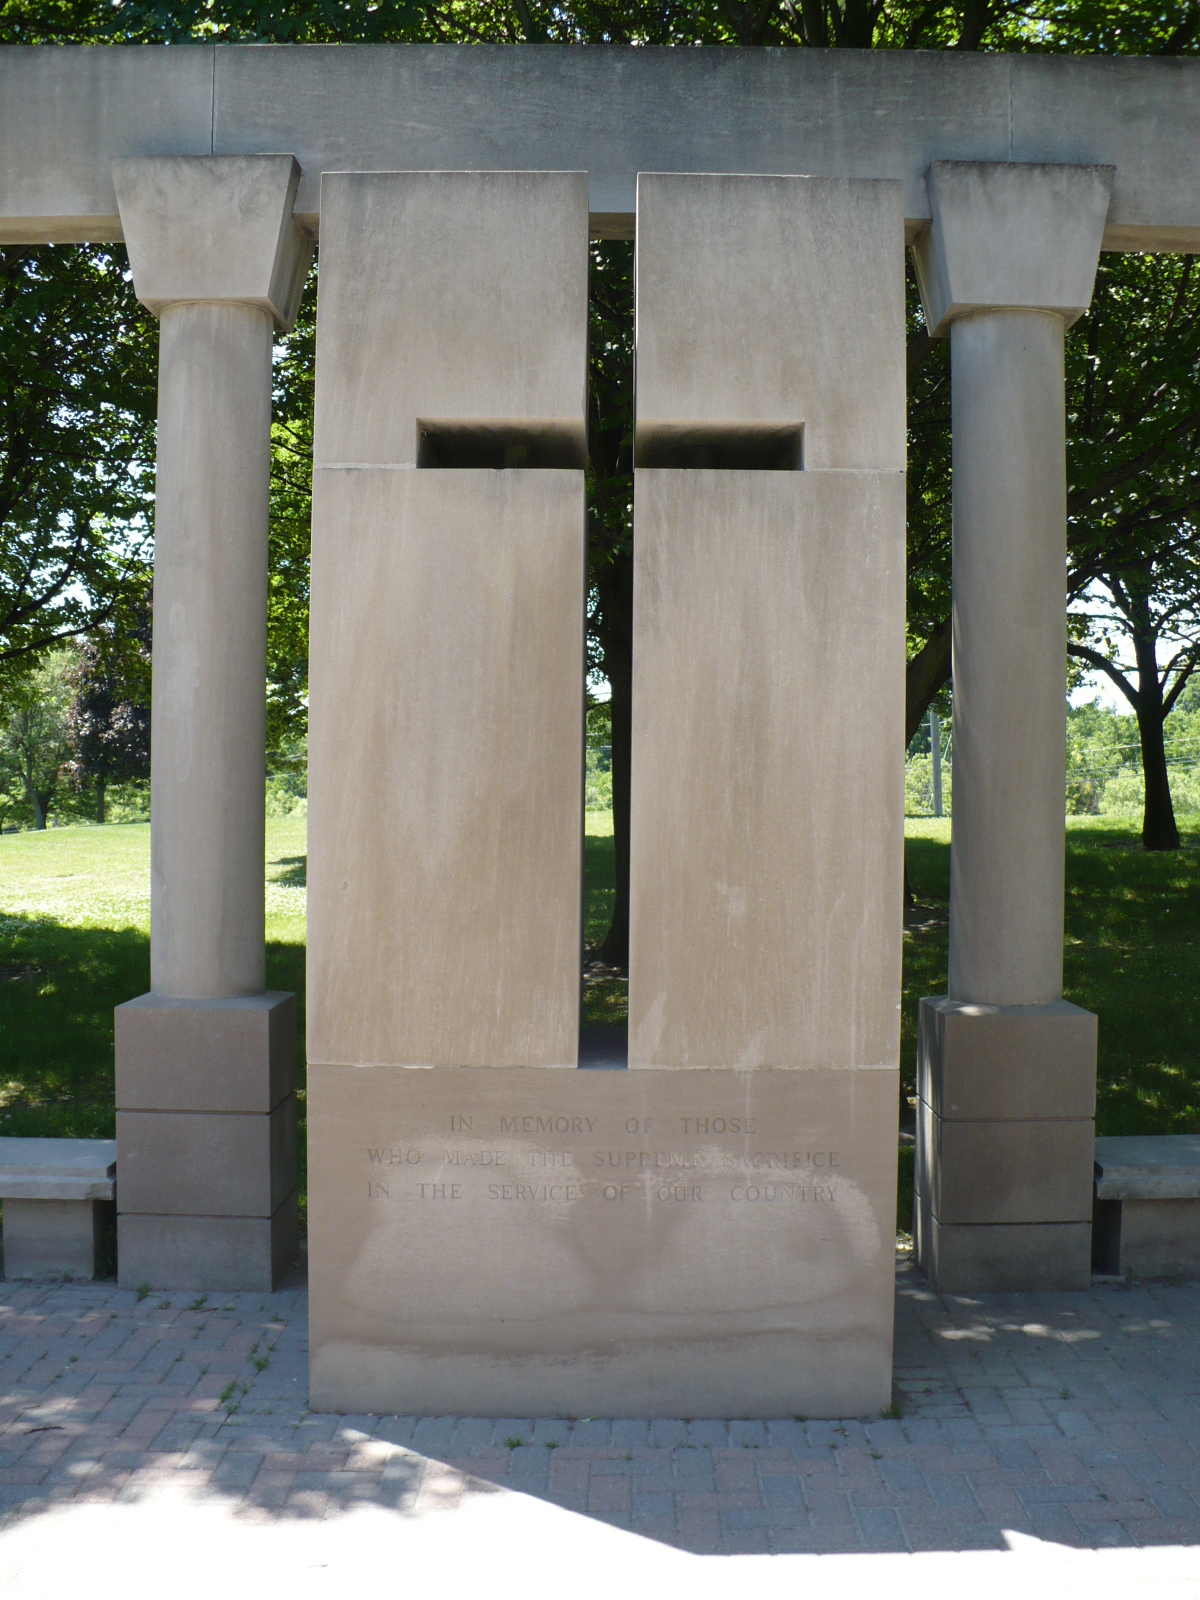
214	228
1010	236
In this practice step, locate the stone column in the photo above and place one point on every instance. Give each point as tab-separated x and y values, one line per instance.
1006	1068
206	1114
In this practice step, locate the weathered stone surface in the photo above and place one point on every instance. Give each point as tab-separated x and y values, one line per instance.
217	228
515	1241
210	1254
445	750
1148	1167
176	1163
1006	1063
66	113
991	1258
451	298
766	828
206	1055
772	301
53	1238
1026	1171
1010	235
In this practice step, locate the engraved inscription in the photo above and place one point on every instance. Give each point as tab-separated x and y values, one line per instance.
721	1166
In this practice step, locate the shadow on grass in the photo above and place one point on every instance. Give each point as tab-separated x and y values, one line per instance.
294	873
58	988
1132	956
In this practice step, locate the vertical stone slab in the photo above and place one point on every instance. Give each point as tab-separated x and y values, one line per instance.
445	795
446	736
217	256
494	1234
767	775
1006	266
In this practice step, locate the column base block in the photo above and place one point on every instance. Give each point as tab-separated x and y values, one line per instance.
206	1140
53	1238
208	1254
1005	1145
982	1258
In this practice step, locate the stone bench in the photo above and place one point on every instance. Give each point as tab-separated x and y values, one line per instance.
1146	1215
57	1195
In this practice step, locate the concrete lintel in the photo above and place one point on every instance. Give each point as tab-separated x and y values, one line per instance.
67	112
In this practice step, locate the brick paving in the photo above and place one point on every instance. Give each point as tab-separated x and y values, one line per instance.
1069	1418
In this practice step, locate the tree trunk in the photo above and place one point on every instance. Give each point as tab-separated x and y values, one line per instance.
100	788
39	809
924	676
1159	831
616	638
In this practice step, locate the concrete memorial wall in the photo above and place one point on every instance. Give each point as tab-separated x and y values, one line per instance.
711	1229
489	1232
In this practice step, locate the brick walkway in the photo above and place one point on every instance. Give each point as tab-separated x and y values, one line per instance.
1027	1421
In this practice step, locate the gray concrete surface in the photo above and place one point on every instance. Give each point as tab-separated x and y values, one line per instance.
65	114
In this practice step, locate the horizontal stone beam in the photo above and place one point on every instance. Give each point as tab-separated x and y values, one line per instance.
67	112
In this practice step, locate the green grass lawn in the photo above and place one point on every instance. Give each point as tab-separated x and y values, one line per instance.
74	942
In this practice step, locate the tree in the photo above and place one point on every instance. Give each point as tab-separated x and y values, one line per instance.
34	742
610	537
1134	498
77	407
108	719
1148	610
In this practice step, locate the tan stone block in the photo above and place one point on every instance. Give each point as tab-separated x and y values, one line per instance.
1159	1238
998	1063
209	1254
208	1164
1002	1172
206	1055
516	1242
53	1238
998	1257
446	755
1011	234
766	833
215	228
772	300
450	297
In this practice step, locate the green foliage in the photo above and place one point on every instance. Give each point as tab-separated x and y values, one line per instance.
918	785
35	739
598	780
291	514
77	408
1131	955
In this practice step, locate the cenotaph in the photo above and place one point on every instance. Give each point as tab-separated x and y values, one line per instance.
493	1229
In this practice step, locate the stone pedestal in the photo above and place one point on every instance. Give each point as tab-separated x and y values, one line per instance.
517	1242
1006	1102
207	1132
1007	264
216	255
